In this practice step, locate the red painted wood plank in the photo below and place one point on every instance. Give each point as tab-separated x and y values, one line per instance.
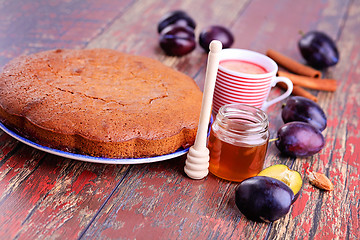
159	201
42	195
42	25
7	143
335	214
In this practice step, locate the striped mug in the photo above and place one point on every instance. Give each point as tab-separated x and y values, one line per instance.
247	77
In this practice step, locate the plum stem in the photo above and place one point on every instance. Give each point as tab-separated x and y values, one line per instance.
273	140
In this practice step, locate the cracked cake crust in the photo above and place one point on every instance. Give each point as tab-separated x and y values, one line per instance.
100	102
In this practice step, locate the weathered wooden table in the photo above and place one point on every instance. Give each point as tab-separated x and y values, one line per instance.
43	196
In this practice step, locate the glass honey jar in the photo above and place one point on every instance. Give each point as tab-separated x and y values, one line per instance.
238	142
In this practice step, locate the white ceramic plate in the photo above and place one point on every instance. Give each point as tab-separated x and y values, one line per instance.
87	158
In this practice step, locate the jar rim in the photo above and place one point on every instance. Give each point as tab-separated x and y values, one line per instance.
253	120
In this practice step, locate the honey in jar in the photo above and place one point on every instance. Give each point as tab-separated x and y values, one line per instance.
238	142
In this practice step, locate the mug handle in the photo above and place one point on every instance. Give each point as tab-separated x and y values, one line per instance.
289	84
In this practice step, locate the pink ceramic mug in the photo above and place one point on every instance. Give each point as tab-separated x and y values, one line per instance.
246	77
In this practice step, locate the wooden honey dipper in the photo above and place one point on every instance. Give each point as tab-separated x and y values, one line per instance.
197	162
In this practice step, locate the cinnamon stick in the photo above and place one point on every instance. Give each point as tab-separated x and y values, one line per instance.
308	82
293	65
298	91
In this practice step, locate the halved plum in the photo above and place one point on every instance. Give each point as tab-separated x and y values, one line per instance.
283	173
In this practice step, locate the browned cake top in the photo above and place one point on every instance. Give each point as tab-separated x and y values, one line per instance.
100	94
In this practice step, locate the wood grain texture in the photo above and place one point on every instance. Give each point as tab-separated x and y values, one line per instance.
28	27
43	195
48	197
332	215
339	158
159	201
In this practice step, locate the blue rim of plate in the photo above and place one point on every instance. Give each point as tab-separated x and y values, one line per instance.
87	158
